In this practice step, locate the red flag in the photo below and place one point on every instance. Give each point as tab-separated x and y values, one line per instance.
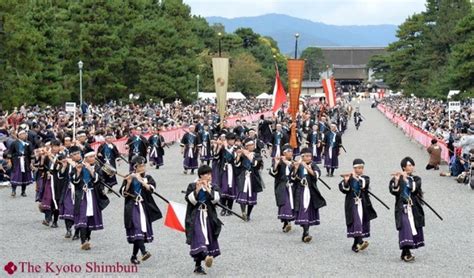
175	216
279	94
330	92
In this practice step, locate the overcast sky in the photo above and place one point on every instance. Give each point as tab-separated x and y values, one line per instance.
337	12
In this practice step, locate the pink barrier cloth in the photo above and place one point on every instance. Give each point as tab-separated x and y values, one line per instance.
414	132
174	135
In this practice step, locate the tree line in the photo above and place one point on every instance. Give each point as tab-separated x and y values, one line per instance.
434	52
155	49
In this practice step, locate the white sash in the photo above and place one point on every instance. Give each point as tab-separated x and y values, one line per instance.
190	151
411	219
142	217
90	209
248	183
289	187
230	174
203	217
52	193
22	164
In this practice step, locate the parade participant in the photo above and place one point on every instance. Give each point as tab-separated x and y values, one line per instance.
202	225
52	187
314	144
264	130
140	209
227	170
216	146
308	199
239	130
249	181
205	138
107	153
332	147
66	207
409	214
279	139
357	118
136	145
357	207
281	170
190	144
156	142
90	198
20	152
81	141
307	123
259	144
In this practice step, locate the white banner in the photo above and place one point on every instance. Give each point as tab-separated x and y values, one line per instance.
220	68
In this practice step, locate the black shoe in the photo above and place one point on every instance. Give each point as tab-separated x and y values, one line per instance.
192	172
75	237
13	194
185	172
54	225
306	237
45	222
68	234
23	194
355	249
286	227
199	270
157	167
134	260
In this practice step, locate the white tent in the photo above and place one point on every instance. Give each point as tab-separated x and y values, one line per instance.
264	96
230	95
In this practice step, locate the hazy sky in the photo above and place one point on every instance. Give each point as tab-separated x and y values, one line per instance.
338	12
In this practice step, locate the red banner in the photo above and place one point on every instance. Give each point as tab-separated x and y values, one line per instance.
295	77
413	132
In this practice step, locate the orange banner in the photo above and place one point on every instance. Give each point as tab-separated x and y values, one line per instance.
295	77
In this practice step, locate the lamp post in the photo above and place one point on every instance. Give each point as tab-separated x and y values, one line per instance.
80	64
220	38
297	35
197	83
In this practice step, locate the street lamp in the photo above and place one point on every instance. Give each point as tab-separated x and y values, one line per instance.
80	64
297	35
197	83
220	38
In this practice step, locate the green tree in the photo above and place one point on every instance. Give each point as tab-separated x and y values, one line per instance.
314	62
245	75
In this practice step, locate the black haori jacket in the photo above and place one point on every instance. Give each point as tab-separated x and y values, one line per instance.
113	157
152	211
317	199
415	193
256	179
212	198
142	146
195	142
101	197
158	145
337	143
281	179
368	210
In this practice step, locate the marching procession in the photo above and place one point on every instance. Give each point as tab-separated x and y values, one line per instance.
75	183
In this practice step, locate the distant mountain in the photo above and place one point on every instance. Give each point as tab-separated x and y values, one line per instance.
282	28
